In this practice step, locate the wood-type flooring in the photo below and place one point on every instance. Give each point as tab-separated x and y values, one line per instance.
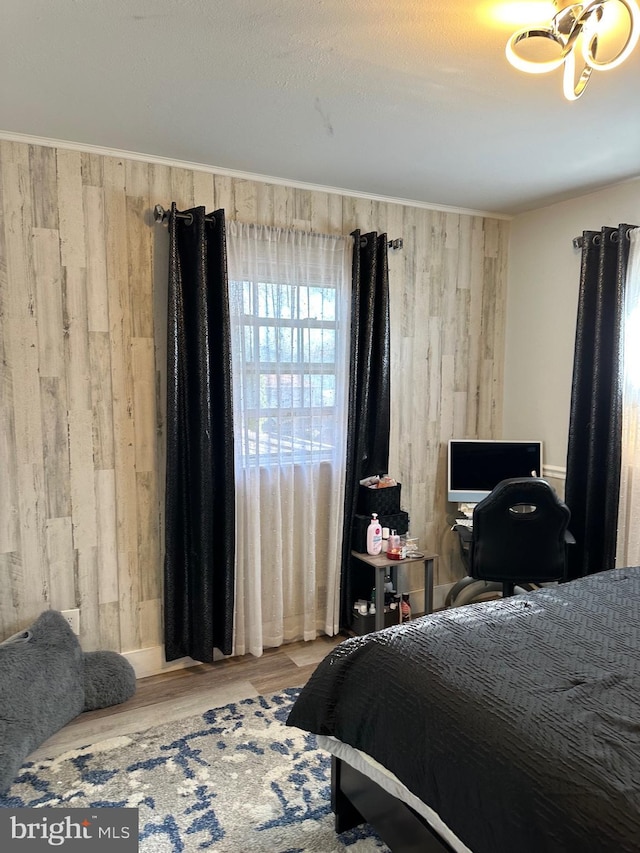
186	692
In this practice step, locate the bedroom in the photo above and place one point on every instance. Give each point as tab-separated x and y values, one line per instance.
95	537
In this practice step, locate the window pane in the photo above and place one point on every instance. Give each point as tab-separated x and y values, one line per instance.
276	300
288	334
278	345
319	345
317	303
248	343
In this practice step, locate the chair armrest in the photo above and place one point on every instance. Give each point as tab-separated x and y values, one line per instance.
465	533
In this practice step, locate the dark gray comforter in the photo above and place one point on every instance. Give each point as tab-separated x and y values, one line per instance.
518	721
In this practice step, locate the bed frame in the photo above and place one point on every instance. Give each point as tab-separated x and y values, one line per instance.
355	799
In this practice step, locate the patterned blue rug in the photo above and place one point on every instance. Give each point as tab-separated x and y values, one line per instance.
232	780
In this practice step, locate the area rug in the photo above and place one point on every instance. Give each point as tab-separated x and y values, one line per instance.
232	780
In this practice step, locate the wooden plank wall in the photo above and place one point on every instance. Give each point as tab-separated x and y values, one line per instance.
82	381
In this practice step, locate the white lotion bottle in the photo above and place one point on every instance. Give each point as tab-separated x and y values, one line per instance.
374	536
385	539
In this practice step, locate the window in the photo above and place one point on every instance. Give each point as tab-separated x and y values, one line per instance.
290	300
290	342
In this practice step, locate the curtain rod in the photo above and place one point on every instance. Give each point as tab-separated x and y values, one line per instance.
162	215
578	242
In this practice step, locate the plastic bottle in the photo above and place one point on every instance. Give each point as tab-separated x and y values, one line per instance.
394	551
385	539
374	536
405	607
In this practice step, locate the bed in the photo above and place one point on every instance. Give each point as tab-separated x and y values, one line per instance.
510	725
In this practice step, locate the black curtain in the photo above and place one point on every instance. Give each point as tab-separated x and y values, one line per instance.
595	425
200	511
369	387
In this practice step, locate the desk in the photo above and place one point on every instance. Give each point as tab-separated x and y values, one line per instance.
381	562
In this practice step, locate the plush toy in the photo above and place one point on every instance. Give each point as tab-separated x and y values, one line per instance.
45	681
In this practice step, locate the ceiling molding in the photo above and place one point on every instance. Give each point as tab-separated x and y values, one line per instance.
247	176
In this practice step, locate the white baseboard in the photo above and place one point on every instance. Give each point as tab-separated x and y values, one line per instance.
440	593
151	661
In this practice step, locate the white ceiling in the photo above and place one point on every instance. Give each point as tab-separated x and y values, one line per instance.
408	99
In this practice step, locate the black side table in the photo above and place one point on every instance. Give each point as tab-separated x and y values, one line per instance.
381	562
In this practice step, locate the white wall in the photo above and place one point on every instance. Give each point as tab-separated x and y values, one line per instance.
542	298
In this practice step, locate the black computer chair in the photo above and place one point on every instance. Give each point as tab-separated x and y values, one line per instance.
518	540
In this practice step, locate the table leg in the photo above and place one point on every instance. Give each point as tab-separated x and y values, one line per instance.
379	623
428	585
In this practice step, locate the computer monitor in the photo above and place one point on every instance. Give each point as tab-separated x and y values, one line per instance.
476	466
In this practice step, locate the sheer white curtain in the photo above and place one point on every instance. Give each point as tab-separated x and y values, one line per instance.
290	326
628	540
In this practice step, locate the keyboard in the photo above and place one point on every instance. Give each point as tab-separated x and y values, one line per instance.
464	522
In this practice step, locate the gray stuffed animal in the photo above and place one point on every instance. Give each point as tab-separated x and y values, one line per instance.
45	681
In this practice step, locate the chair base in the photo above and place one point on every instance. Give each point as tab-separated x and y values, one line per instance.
469	590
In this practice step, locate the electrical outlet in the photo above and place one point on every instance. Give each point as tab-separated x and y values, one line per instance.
73	618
